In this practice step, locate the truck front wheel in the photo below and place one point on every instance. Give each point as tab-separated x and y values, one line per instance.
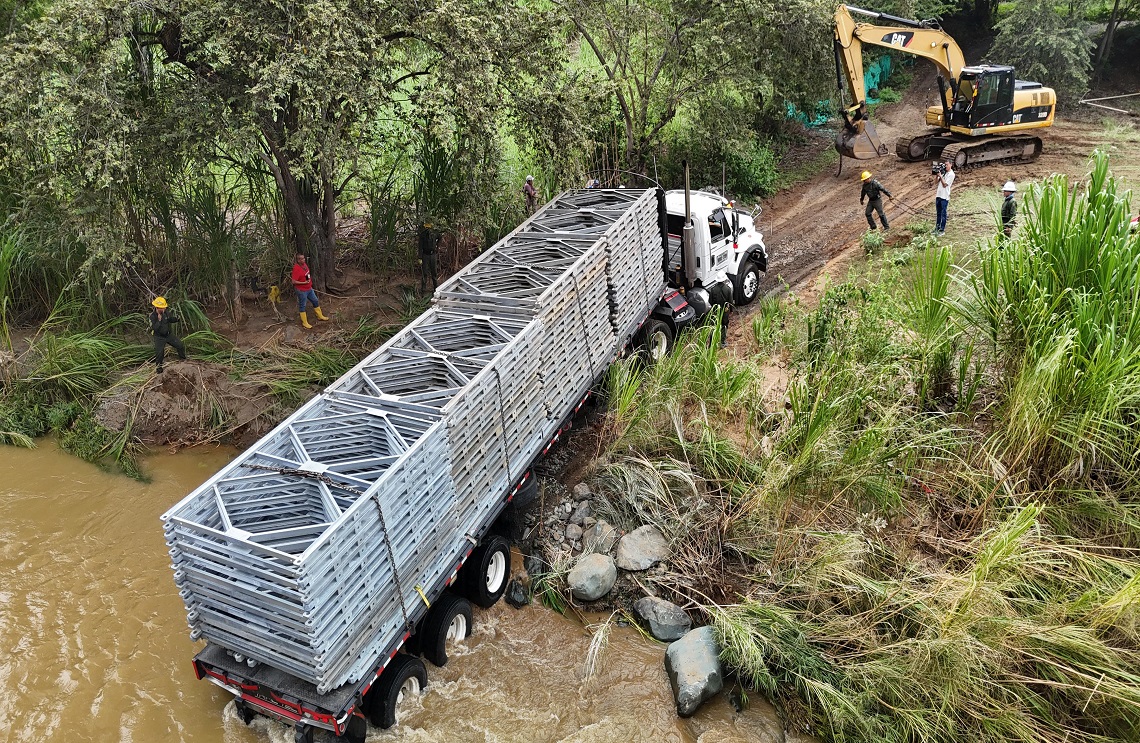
656	339
747	283
405	676
484	576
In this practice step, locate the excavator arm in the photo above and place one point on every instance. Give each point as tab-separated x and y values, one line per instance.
858	138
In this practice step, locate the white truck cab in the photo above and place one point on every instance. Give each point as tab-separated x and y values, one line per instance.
729	249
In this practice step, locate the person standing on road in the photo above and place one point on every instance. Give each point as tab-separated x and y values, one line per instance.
160	327
873	193
303	283
531	194
1008	209
427	249
942	197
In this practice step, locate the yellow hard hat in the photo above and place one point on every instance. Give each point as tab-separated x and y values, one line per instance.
866	175
159	302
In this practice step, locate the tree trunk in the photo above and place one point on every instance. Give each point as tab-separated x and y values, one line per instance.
1105	47
306	211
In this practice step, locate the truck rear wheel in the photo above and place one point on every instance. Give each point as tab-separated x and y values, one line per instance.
746	285
448	622
404	677
484	576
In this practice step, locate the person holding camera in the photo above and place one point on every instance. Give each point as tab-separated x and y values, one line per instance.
944	173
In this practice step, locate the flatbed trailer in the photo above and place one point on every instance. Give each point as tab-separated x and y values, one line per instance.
355	536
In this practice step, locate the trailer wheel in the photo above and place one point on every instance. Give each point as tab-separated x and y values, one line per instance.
245	713
448	621
404	677
485	574
356	730
747	283
656	340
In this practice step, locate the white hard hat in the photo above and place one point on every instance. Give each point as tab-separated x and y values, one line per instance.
530	177
1009	186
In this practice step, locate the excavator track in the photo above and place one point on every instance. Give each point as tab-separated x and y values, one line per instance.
969	153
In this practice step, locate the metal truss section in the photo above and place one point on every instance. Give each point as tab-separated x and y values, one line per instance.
310	552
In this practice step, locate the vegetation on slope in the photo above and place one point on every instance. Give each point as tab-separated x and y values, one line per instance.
935	536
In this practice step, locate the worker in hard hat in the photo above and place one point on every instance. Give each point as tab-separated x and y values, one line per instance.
303	283
531	194
1008	208
161	322
872	193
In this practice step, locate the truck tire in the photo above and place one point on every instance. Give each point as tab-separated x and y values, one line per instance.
356	730
404	676
245	713
746	285
484	576
656	340
448	621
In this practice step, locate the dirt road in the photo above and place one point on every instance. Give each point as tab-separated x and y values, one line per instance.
821	218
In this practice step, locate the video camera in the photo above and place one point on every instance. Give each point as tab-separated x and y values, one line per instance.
938	168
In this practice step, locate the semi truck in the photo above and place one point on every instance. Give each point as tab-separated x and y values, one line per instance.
325	560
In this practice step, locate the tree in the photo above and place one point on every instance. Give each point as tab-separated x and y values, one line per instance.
112	90
657	56
1045	46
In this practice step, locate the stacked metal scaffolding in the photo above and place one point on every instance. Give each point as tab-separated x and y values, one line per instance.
310	552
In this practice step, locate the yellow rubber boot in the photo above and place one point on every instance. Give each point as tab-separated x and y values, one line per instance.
305	321
320	315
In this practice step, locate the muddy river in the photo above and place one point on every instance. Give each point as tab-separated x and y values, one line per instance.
95	644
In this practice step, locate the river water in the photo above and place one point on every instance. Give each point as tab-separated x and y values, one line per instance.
95	645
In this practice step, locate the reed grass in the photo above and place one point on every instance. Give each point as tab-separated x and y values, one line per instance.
935	539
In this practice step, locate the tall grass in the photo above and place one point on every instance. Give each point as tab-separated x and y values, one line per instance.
935	538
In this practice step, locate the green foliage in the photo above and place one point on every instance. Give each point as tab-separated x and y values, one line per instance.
889	95
873	242
1064	303
768	323
1046	46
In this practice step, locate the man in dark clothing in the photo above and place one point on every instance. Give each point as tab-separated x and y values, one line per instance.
1008	209
531	195
428	264
873	193
160	328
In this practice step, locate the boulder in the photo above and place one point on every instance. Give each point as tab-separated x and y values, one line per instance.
694	669
573	532
592	577
582	491
666	620
641	548
534	565
517	595
601	537
581	512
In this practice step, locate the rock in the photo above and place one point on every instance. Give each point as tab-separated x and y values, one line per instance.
582	491
588	522
666	620
694	669
592	577
601	537
581	511
641	548
292	334
573	532
517	595
534	565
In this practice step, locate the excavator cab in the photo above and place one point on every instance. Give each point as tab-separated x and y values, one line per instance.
983	97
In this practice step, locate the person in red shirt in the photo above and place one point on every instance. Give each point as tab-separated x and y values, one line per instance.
303	283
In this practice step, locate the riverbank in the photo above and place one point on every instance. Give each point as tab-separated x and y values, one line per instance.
908	503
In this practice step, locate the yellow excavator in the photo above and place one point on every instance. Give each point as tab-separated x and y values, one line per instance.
980	106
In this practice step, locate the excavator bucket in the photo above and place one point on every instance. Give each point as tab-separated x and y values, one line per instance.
860	141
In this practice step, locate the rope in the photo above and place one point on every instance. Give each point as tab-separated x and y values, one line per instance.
320	477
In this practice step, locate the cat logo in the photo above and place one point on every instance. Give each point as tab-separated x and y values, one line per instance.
901	38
